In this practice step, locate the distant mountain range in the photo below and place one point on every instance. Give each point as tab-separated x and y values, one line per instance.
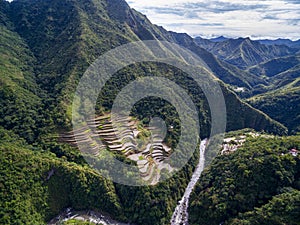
276	62
287	42
219	39
279	41
243	52
46	47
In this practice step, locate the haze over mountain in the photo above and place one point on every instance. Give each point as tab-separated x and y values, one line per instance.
280	41
45	48
80	38
243	52
276	62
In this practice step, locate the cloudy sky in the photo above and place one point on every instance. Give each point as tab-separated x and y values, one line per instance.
232	18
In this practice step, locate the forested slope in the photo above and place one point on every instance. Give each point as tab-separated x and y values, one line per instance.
45	47
247	186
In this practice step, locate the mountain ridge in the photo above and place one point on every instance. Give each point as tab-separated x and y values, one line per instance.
59	40
83	33
243	52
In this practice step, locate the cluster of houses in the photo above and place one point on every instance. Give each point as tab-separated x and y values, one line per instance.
231	144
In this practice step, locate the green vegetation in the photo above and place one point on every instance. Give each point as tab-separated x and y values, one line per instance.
282	105
36	186
272	76
20	105
281	209
249	178
45	47
89	30
275	66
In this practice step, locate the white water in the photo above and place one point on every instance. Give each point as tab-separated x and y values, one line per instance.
90	216
180	215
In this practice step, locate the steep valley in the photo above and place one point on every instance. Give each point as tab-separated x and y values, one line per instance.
45	49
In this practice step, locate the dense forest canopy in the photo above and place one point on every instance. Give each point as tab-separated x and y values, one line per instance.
45	48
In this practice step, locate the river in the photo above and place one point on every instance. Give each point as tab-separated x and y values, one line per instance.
88	216
180	215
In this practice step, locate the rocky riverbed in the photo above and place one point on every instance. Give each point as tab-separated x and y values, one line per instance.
89	216
180	215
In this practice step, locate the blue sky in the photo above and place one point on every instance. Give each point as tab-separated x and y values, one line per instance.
233	18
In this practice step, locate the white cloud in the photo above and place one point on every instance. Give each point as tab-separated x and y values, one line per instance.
254	18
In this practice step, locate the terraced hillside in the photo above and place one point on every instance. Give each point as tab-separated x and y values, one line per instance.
80	32
144	146
45	48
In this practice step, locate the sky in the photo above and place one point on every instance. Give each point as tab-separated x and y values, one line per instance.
257	19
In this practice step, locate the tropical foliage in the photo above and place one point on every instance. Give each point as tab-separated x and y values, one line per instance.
251	177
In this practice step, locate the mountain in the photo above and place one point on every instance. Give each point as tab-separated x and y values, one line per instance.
281	104
86	32
280	41
45	48
274	67
21	97
281	99
244	53
219	39
277	72
287	78
226	72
